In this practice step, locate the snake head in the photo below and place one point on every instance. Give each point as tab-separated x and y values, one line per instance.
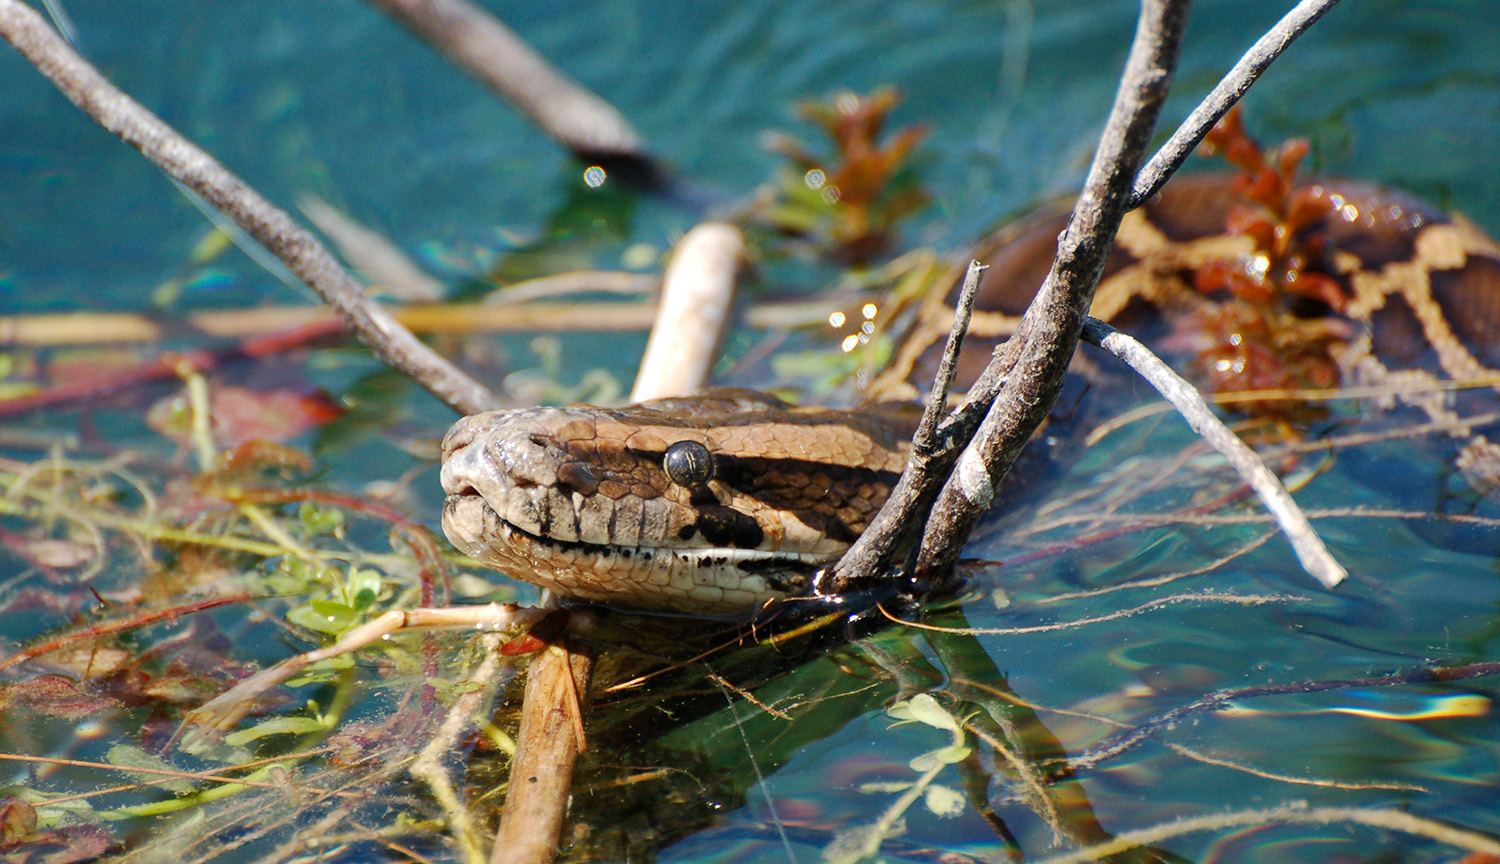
711	511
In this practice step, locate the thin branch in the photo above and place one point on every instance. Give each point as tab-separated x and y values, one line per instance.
1189	402
925	439
475	41
1223	97
1032	363
271	227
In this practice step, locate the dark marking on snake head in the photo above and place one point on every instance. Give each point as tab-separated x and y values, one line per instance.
687	531
788	577
724	527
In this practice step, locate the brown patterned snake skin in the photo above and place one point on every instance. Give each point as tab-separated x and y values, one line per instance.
583	500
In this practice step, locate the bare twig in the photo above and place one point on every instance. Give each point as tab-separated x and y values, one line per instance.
925	441
1032	363
1189	402
1213	107
696	295
271	227
477	42
1083	249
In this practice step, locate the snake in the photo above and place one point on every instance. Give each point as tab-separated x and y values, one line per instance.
721	504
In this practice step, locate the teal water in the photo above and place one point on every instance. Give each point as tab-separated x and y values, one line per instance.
331	99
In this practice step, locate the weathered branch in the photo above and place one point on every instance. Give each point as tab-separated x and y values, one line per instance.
475	41
1223	97
1032	363
1185	398
271	227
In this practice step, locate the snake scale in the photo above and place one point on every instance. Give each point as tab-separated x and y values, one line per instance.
722	503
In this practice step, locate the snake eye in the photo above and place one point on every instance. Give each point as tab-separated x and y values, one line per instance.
688	463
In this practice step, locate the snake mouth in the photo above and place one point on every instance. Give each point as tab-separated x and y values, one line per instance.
752	560
722	580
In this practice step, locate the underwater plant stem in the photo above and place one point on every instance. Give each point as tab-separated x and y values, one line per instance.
550	738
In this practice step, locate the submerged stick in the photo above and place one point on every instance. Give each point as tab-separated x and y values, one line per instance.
547	745
475	41
1309	547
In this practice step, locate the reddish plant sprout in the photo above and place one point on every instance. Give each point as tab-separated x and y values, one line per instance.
854	198
1267	332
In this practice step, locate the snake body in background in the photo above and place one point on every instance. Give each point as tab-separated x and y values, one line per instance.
719	504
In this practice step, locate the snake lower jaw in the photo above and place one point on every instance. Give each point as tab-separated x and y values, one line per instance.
698	581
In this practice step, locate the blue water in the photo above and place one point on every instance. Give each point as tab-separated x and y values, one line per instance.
331	99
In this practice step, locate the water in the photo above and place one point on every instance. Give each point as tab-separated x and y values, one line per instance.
333	100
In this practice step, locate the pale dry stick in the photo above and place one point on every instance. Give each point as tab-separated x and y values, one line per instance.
1223	97
478	43
1032	362
684	338
82	84
1315	557
697	293
498	316
575	282
221	713
1288	814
